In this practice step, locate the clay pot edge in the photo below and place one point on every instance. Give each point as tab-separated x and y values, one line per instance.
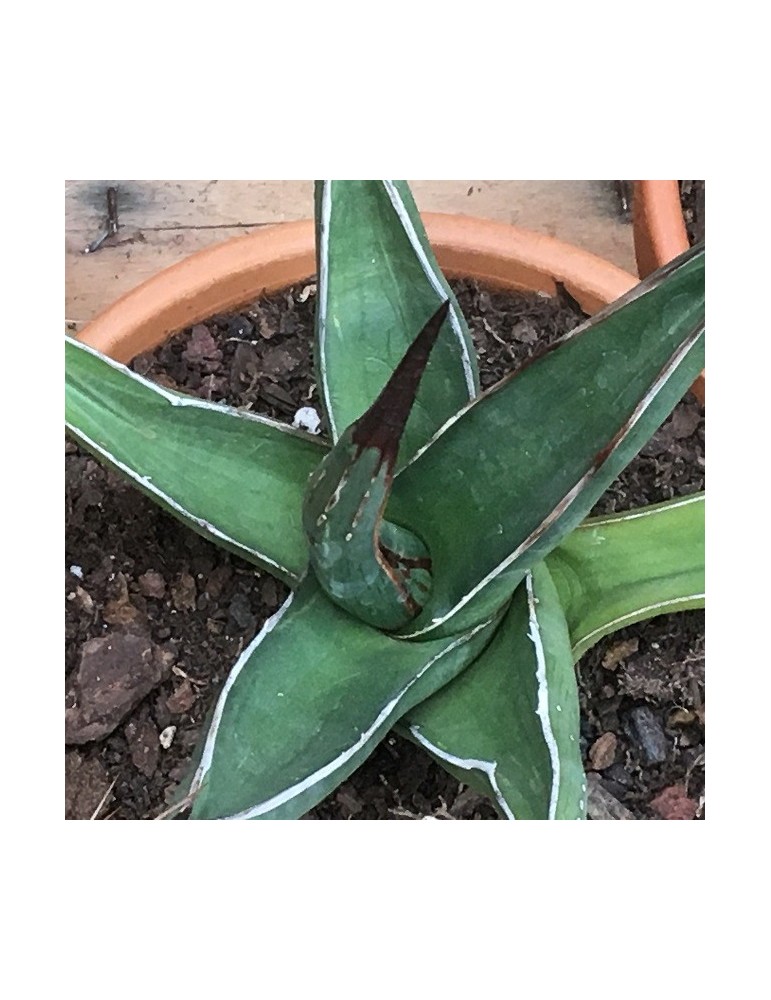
658	225
659	234
230	274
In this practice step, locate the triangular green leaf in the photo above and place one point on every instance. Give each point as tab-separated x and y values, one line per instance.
503	483
307	702
509	724
615	570
235	478
610	572
378	284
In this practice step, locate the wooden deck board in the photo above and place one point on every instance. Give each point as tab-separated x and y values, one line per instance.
163	221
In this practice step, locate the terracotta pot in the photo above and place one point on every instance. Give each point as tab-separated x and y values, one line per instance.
226	276
660	234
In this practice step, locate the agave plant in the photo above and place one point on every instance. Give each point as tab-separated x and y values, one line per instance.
444	578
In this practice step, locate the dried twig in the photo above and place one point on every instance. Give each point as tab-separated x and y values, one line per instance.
105	797
111	225
178	807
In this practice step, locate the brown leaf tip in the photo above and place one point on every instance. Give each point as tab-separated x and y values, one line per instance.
383	424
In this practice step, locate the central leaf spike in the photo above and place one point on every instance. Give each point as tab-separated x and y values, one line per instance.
375	570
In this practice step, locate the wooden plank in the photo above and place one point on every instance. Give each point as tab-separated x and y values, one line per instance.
163	221
585	213
188	204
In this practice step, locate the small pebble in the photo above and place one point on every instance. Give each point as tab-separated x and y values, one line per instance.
240	326
82	600
152	584
166	738
183	592
647	729
673	803
603	751
240	612
181	699
307	419
602	805
618	652
116	672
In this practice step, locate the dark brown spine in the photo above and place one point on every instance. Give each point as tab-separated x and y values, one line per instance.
383	424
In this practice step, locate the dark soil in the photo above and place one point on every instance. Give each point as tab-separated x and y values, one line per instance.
692	200
163	614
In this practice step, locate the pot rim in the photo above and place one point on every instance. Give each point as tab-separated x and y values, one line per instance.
227	275
658	224
659	234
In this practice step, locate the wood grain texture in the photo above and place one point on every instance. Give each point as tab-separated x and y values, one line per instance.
162	221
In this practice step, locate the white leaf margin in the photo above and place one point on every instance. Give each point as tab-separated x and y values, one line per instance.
383	721
429	271
181	400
